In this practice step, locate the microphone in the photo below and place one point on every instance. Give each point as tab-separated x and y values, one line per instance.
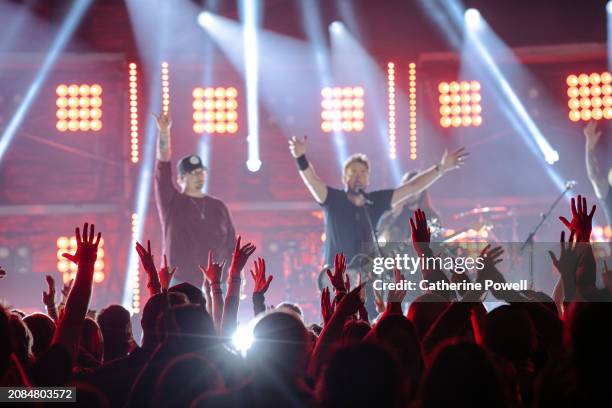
365	199
569	184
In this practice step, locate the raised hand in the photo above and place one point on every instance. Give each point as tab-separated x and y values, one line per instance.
491	257
146	257
327	309
421	234
591	133
569	256
240	257
165	274
379	302
337	279
260	283
163	121
87	246
48	298
397	295
350	304
582	222
297	146
212	272
2	273
453	160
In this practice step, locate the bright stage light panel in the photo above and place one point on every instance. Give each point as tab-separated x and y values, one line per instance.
79	107
215	110
460	104
68	269
590	96
342	109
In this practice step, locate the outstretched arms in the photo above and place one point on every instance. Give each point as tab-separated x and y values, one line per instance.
315	185
426	178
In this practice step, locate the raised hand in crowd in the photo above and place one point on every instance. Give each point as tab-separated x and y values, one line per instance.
327	307
48	298
2	272
338	279
582	222
240	257
164	123
260	285
70	324
396	296
421	234
148	264
592	133
165	274
212	276
567	263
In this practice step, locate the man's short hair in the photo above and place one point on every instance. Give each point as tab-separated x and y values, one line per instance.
356	158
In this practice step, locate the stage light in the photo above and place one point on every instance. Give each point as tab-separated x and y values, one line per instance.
205	19
609	7
460	103
135	266
68	269
215	110
588	93
84	103
390	109
243	338
472	18
134	134
336	27
412	133
335	106
65	32
165	77
253	165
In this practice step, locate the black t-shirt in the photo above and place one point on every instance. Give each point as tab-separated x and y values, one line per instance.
346	225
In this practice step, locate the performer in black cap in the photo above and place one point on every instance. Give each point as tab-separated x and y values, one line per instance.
192	222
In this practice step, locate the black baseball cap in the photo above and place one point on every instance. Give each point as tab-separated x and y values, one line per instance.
190	163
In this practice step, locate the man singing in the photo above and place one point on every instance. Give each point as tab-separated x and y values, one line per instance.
350	213
192	222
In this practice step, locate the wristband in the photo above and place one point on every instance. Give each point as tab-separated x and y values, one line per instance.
302	162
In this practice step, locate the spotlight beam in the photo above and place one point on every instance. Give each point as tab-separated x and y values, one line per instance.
65	33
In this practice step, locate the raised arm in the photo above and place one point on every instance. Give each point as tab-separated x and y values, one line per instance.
426	178
315	185
68	332
212	275
598	180
164	123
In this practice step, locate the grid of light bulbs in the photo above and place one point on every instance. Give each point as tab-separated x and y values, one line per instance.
135	268
79	107
342	109
67	268
391	110
412	134
215	110
460	103
133	81
590	96
165	79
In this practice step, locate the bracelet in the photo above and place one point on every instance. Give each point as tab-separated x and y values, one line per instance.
302	162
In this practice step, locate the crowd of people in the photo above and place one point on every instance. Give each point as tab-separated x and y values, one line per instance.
445	350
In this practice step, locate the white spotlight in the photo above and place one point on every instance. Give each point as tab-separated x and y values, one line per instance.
336	27
204	19
253	165
609	7
472	17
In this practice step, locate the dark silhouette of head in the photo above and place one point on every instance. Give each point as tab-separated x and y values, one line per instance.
184	379
116	327
462	375
354	331
424	311
280	347
509	333
191	324
360	375
193	293
21	339
91	352
42	328
151	312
